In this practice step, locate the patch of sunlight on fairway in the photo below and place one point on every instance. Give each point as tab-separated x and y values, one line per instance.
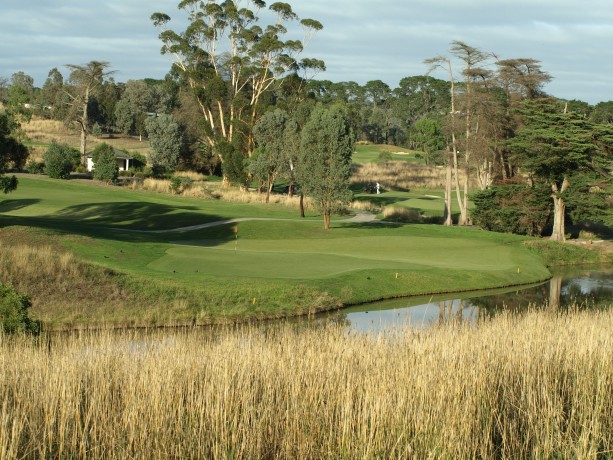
310	259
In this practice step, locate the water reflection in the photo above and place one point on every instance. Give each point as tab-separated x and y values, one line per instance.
589	288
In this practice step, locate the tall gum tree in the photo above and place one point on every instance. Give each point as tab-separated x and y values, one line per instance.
230	61
84	80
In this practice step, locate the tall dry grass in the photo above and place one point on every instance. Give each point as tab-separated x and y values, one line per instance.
535	386
213	191
400	175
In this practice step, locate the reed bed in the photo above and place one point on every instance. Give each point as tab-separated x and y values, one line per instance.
538	385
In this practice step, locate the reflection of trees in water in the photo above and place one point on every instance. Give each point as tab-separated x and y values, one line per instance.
453	311
515	302
559	292
555	288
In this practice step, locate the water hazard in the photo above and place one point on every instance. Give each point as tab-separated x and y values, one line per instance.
589	287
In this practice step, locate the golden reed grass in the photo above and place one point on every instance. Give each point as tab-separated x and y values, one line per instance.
400	175
539	385
215	191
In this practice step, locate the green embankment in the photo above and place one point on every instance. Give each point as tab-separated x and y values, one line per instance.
274	268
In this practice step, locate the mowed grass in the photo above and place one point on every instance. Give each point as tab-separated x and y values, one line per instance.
369	153
276	267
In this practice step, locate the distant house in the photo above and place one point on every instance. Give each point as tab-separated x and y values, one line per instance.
123	160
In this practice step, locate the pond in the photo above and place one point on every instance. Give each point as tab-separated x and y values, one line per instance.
592	287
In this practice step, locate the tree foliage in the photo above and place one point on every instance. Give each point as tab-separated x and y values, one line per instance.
165	140
84	81
231	61
325	164
556	146
517	209
14	317
60	160
12	153
105	163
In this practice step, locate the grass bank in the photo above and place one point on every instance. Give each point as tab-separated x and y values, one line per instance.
537	385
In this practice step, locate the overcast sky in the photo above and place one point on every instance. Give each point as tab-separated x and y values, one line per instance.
361	40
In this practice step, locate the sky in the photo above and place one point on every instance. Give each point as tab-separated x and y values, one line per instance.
361	41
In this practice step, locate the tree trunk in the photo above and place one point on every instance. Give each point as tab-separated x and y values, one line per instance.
327	219
268	188
447	213
559	210
301	204
84	128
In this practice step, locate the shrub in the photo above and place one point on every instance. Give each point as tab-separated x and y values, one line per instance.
60	159
138	162
405	215
14	312
105	164
384	157
180	183
35	167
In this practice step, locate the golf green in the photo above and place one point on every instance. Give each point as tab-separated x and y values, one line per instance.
321	258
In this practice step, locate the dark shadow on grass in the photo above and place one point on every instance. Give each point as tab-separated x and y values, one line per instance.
127	221
13	205
135	215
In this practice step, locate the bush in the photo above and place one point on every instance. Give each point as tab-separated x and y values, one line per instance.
14	312
35	167
105	164
384	157
138	162
180	183
60	159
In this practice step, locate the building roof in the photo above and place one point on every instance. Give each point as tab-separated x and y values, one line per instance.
119	154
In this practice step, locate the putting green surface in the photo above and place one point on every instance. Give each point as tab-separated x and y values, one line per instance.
320	258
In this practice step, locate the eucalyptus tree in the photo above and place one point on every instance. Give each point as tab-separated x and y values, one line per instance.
326	146
138	99
465	116
421	96
20	94
52	94
166	141
230	61
84	81
12	153
268	161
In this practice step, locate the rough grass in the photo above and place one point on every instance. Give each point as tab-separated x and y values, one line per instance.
535	386
394	175
42	132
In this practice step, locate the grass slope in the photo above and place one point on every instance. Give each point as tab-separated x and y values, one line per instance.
274	268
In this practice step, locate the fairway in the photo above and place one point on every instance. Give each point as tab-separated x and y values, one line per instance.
281	266
319	258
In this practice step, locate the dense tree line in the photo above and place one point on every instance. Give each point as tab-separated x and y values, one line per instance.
238	97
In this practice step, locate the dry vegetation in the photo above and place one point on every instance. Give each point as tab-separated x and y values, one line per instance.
45	131
66	291
213	190
400	175
535	386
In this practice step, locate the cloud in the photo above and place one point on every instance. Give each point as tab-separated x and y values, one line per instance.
361	40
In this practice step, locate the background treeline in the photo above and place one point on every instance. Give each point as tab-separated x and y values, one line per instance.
487	119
